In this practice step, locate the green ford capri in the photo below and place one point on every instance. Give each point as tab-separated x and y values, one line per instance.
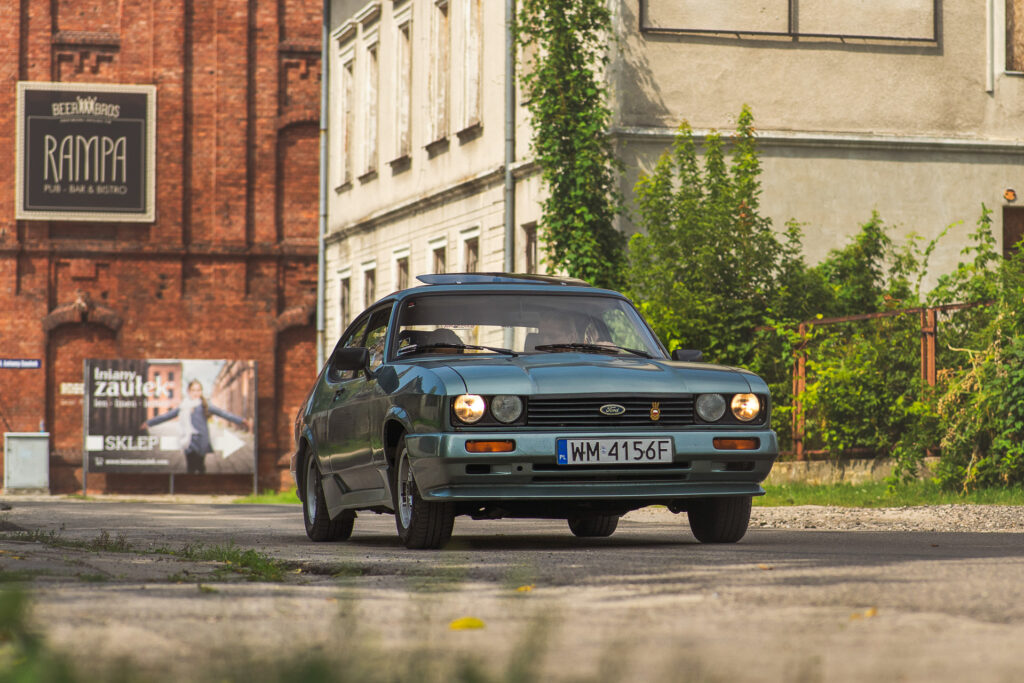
495	395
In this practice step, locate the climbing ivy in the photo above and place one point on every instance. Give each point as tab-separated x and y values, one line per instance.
566	97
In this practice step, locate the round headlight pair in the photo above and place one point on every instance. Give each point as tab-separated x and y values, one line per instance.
470	408
711	407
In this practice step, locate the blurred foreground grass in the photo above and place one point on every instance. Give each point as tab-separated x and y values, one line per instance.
880	494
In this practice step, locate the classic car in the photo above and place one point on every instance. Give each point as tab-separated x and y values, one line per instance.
493	395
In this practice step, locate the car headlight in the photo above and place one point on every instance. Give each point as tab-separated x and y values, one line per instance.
710	407
745	407
469	408
506	408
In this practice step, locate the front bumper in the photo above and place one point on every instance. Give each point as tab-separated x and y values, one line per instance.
445	471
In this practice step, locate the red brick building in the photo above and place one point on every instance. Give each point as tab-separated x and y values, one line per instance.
228	267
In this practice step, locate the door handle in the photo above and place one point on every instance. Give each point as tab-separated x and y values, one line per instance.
338	393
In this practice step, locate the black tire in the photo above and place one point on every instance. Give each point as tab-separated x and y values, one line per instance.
421	524
593	527
319	526
719	520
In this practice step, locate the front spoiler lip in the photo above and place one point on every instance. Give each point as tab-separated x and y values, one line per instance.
652	491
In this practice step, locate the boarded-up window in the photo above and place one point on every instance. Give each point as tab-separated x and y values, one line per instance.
402	273
1015	35
471	64
472	254
347	119
370	137
530	247
1013	229
440	260
369	286
439	76
344	301
884	19
403	98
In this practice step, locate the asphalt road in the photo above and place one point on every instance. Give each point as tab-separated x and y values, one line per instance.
649	603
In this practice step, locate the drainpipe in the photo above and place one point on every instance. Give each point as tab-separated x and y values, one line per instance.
321	265
510	137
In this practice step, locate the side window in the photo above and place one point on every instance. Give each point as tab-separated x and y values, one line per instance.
353	338
376	333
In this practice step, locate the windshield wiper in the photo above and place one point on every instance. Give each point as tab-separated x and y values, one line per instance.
448	345
595	348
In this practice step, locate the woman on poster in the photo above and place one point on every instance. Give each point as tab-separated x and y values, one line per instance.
193	415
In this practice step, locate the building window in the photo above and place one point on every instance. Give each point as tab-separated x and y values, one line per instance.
471	63
440	40
471	251
1015	35
372	73
344	301
439	259
402	272
1013	229
347	120
403	95
369	287
530	247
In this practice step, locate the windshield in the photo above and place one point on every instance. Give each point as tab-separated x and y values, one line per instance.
522	323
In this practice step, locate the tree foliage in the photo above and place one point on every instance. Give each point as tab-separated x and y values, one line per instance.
710	273
567	99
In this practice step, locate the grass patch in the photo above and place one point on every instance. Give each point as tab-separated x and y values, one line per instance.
251	565
290	497
104	542
880	494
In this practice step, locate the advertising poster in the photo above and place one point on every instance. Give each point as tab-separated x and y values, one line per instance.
85	152
170	416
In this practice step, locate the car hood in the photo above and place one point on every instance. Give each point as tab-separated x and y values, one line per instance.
587	373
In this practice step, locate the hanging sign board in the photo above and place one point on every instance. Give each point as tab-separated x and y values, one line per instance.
86	152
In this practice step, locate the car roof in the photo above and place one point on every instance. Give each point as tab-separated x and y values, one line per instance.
466	283
500	279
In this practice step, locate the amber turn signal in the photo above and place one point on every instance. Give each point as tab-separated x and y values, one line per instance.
724	444
506	446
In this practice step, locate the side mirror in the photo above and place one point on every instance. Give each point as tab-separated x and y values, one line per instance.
688	355
351	358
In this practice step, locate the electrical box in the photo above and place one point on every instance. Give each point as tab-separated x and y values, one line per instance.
26	462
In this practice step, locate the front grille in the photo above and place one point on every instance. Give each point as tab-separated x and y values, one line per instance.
584	412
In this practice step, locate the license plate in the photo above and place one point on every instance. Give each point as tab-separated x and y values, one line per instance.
614	451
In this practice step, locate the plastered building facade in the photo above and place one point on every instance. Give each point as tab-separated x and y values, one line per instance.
912	109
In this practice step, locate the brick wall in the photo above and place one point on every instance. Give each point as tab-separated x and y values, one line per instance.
227	270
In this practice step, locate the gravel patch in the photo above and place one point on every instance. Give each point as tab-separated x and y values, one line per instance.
934	518
930	518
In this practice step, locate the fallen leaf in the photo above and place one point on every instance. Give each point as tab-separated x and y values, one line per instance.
525	589
466	624
765	567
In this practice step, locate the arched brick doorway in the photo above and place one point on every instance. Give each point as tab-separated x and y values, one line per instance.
68	346
295	372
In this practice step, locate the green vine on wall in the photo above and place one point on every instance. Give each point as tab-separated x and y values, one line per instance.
567	102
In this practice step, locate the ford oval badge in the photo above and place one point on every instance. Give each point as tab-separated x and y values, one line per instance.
612	409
